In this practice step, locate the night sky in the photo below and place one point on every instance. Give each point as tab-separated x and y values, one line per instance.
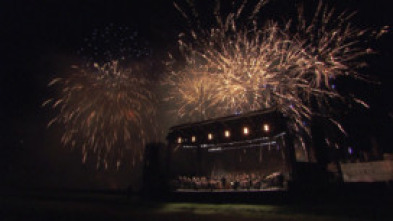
39	40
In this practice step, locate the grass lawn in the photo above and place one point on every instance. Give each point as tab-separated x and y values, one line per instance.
82	206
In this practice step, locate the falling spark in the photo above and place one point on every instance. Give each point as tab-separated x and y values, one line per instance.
111	43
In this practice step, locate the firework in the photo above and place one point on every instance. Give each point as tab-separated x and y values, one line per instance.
106	108
236	66
106	111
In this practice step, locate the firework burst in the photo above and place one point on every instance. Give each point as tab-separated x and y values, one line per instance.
236	66
106	108
106	111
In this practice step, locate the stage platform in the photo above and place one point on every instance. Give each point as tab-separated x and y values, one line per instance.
229	190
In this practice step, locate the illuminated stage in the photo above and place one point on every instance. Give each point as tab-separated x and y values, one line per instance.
240	153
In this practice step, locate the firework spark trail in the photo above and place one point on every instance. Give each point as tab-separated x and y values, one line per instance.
107	108
249	66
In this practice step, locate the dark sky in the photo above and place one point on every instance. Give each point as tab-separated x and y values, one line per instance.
39	39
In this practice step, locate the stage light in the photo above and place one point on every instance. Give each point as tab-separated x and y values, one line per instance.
245	130
193	139
227	133
266	128
210	136
179	140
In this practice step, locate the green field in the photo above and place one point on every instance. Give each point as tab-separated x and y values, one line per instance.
89	206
